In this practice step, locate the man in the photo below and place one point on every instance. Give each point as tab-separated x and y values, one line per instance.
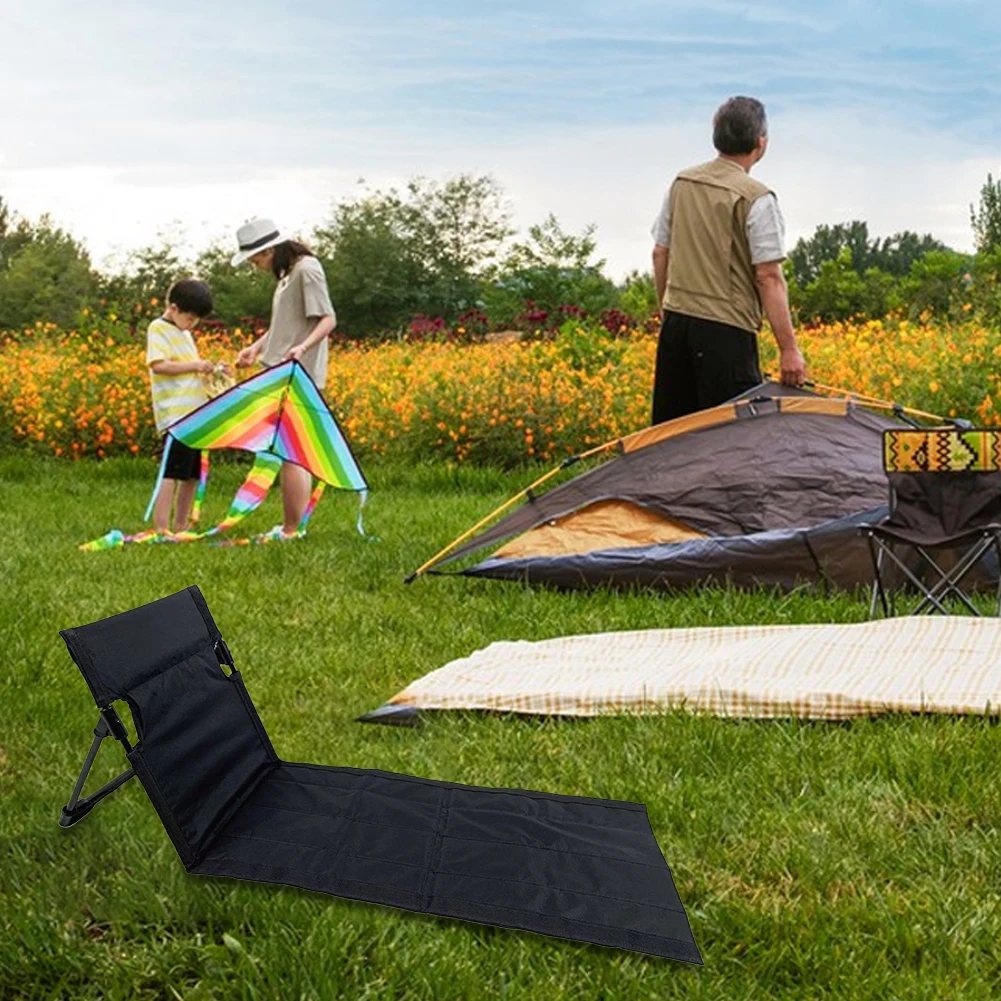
719	243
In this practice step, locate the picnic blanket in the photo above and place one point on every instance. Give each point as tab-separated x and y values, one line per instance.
922	664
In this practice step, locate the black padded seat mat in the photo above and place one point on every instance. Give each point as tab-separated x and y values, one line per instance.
568	866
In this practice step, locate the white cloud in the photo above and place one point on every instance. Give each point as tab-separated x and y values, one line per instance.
825	166
129	117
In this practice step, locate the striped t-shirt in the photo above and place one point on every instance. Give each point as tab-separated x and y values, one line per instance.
174	396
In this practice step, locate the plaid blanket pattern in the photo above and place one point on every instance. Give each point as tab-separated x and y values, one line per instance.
926	664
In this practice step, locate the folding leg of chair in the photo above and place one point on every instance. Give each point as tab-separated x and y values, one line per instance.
878	596
932	595
567	866
76	809
996	540
948	582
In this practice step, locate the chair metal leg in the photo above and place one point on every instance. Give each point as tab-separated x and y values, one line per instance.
948	583
76	809
930	596
996	544
878	594
934	594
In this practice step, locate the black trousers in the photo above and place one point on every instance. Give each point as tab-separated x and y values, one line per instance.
700	364
183	463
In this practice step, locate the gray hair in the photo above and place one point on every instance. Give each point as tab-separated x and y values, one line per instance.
738	125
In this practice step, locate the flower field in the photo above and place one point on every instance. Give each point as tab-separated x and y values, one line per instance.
86	394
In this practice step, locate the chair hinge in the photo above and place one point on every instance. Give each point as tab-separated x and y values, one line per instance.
222	652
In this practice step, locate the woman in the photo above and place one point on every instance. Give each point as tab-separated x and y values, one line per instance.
302	319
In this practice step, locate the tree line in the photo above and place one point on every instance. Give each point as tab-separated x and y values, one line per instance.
444	253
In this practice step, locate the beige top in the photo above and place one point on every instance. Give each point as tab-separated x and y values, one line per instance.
300	300
710	272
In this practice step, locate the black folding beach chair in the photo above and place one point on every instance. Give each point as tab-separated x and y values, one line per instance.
943	531
576	868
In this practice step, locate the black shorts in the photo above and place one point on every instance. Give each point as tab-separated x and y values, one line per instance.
701	364
183	463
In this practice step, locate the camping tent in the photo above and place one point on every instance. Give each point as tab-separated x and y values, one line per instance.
769	488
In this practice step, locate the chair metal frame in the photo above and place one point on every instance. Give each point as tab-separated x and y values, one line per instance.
930	596
945	583
108	725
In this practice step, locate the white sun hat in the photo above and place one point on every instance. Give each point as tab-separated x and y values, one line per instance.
255	236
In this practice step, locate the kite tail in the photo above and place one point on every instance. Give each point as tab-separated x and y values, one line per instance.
360	525
159	477
313	500
203	482
113	540
116	538
252	491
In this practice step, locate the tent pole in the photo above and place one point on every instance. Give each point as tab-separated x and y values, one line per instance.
877	402
572	460
874	401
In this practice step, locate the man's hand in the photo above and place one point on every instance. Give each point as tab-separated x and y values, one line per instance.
793	367
294	353
204	367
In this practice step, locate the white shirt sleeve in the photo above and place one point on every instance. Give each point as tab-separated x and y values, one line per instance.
661	229
766	230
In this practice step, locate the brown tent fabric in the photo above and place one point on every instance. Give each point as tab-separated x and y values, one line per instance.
776	482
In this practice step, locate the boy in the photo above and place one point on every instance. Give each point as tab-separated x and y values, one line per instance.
175	379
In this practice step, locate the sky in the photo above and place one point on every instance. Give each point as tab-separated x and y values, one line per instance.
128	120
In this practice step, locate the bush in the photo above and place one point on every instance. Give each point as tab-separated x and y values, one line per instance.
638	296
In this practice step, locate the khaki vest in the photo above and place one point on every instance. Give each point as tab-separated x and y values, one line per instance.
709	271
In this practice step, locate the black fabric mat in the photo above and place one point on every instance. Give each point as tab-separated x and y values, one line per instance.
567	866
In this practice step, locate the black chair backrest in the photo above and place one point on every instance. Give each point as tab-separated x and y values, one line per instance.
943	481
201	746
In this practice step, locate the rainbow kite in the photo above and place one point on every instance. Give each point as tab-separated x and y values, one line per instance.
280	416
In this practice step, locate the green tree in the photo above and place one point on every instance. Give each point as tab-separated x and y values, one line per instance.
389	255
45	274
827	244
15	233
240	295
457	229
837	293
893	254
376	279
897	254
552	268
984	289
146	273
638	296
935	282
986	217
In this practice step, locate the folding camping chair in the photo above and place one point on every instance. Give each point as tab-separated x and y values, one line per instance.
945	498
577	868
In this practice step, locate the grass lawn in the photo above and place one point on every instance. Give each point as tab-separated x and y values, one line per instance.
816	861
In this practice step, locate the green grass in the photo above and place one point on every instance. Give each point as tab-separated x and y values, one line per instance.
816	861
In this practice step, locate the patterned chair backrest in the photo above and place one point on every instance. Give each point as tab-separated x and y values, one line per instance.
942	450
943	481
